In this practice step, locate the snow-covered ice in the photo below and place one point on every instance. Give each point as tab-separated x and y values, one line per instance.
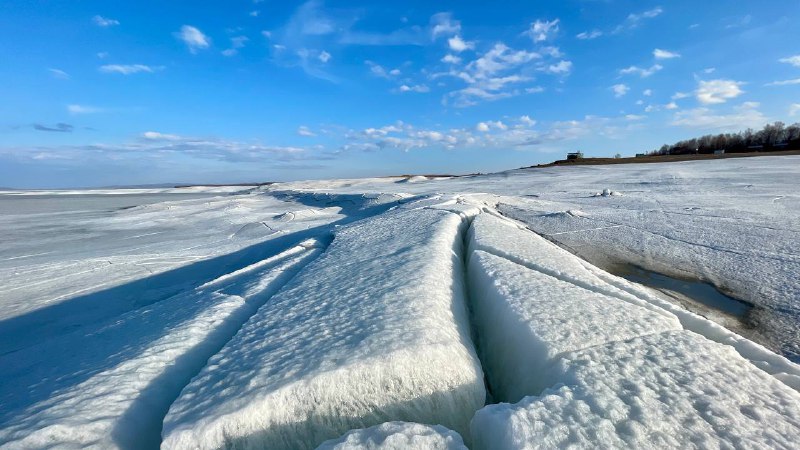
375	329
232	316
665	390
397	436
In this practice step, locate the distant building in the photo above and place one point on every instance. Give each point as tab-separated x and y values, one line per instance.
574	155
640	155
719	152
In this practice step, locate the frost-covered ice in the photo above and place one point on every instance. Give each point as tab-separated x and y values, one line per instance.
666	390
112	385
221	317
375	329
397	436
527	320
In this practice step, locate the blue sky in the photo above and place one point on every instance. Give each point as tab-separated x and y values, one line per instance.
99	93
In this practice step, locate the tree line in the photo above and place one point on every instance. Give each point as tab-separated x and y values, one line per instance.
773	137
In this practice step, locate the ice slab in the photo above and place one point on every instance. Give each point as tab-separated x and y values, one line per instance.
376	329
526	320
667	390
510	240
110	387
397	436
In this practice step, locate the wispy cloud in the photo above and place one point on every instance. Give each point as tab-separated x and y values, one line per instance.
642	72
237	42
793	60
419	88
741	116
58	73
794	109
619	90
665	54
305	131
717	91
57	128
542	30
443	24
634	20
588	35
104	22
129	69
193	38
784	82
75	109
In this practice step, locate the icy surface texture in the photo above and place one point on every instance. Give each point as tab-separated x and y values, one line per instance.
110	387
397	436
374	330
528	320
666	390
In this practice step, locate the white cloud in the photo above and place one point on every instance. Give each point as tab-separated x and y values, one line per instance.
562	67
156	136
542	30
380	71
451	59
104	22
457	44
255	13
494	74
647	92
534	90
482	127
634	117
709	70
305	131
717	91
665	54
128	69
586	35
526	120
102	55
680	95
793	60
419	88
442	24
237	42
784	82
745	115
794	109
58	73
324	56
644	73
671	105
620	90
193	38
83	109
634	20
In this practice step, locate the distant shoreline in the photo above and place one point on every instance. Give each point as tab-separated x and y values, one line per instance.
657	159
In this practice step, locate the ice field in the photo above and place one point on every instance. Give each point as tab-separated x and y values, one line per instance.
485	312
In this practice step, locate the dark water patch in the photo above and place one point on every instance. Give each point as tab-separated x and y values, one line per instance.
691	290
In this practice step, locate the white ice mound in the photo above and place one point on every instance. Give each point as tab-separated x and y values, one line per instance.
397	436
527	320
666	390
376	329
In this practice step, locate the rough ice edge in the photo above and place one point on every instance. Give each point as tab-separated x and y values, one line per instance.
397	436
